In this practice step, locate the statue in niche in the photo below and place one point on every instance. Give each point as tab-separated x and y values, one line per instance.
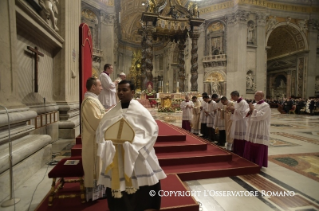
282	84
250	32
215	87
250	81
49	9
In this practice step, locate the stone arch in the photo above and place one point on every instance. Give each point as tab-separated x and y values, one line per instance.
294	31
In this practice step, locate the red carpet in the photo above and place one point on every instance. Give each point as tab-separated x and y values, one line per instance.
172	203
182	153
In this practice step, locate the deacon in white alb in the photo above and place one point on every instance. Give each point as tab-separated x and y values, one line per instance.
258	130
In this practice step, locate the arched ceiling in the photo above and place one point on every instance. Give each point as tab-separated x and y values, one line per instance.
284	40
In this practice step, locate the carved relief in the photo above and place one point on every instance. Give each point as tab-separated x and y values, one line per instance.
271	23
303	25
49	12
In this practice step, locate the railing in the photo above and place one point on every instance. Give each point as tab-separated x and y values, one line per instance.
215	58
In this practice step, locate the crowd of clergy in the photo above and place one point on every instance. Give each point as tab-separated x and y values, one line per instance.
235	124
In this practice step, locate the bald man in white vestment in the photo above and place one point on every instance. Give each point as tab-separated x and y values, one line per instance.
258	131
92	111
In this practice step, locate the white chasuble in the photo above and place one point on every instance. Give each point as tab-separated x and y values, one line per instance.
137	161
107	96
259	124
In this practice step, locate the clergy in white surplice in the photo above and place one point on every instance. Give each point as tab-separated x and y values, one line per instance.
211	106
130	167
203	116
92	111
228	122
258	131
239	125
187	113
108	95
196	116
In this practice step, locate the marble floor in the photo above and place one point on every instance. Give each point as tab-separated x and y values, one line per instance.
293	168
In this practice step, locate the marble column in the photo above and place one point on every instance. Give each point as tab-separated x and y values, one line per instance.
181	73
149	51
312	55
143	64
194	57
288	93
261	62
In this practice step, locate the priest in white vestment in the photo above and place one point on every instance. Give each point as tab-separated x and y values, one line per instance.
196	116
137	170
108	95
211	106
92	111
203	116
258	131
187	113
228	122
239	125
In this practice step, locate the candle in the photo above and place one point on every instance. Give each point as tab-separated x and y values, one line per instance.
177	85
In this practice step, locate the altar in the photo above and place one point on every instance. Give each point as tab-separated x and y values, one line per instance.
166	99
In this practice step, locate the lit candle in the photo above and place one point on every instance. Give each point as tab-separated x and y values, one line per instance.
177	85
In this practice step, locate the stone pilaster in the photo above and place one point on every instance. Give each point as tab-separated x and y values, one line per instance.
236	51
261	54
313	26
107	38
8	58
194	60
288	93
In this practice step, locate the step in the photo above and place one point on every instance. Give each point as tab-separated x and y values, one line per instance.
168	132
238	166
76	150
212	154
168	203
78	139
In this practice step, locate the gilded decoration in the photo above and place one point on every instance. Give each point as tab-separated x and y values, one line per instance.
262	3
88	14
214	77
135	73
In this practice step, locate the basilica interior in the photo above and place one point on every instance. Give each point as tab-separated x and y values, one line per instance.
180	48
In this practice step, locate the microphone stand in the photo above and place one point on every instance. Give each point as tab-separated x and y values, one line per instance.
12	200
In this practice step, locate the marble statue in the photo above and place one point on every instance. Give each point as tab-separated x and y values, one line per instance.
250	32
271	23
215	87
250	81
49	9
282	84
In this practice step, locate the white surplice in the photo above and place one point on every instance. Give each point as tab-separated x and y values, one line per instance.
239	124
140	161
187	112
211	114
259	124
107	96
